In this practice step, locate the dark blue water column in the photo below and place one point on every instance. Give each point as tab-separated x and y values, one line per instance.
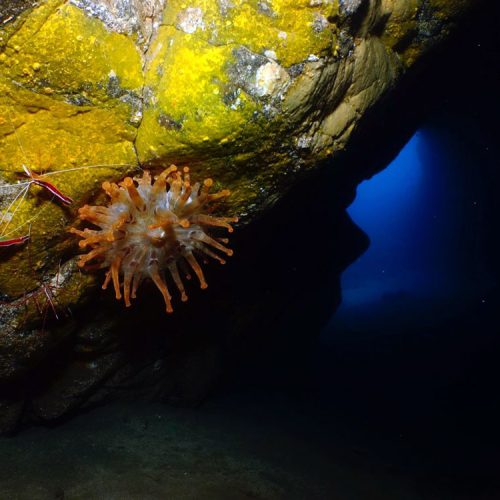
423	217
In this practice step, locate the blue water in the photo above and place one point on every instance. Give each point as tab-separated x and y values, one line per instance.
423	217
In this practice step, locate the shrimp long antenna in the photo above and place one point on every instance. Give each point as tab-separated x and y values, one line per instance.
20	196
29	221
112	165
23	152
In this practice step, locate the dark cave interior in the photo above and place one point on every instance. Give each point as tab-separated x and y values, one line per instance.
400	388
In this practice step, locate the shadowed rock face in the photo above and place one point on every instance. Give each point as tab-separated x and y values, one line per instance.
287	116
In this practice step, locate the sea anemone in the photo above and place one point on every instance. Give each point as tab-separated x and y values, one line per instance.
152	226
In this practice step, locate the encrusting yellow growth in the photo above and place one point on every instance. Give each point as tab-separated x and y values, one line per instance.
151	226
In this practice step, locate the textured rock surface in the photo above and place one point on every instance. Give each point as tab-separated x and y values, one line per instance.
252	93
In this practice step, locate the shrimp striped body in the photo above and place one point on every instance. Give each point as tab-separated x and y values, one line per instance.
152	226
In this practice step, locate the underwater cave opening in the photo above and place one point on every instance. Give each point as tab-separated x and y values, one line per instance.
424	215
432	214
411	355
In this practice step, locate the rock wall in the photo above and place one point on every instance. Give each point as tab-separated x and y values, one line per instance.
255	94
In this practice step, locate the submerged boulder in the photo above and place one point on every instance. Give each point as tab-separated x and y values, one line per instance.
254	94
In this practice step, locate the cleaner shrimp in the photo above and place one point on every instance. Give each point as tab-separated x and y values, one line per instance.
37	291
20	190
42	301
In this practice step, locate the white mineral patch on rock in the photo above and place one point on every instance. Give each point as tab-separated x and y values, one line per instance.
271	79
350	6
320	23
304	142
271	55
191	19
224	6
126	16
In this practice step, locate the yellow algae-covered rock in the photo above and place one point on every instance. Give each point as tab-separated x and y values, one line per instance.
214	83
69	108
244	90
248	92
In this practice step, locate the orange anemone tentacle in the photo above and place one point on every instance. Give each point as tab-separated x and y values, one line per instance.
154	224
